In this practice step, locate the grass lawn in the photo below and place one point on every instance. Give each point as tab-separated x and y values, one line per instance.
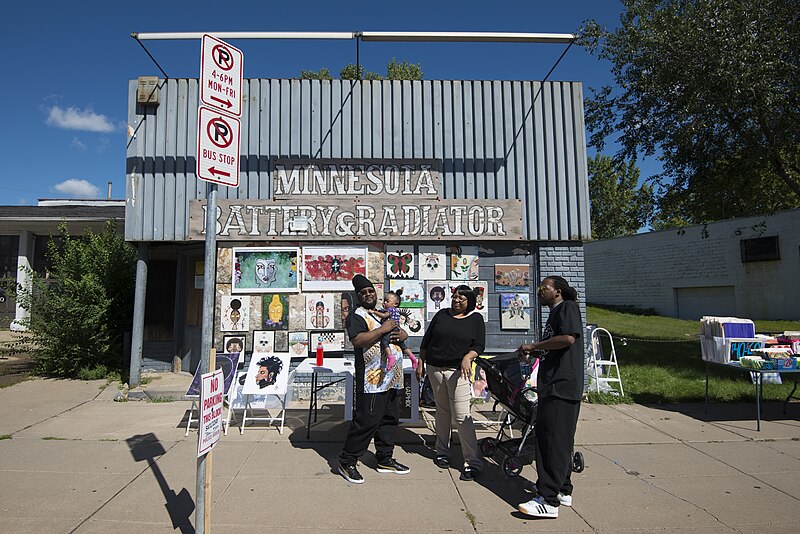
660	361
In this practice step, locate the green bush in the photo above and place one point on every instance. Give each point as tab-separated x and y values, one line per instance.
81	307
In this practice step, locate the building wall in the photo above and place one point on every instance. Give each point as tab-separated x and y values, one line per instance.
659	269
494	140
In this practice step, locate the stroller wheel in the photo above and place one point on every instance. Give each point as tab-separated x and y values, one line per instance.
488	446
578	464
512	466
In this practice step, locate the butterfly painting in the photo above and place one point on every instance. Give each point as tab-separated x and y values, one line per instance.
399	262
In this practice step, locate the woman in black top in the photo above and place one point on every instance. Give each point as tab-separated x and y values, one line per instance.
560	387
455	337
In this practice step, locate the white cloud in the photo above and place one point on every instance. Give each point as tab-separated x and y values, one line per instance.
78	188
78	119
78	145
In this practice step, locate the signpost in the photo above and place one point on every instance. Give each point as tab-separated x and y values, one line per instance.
217	163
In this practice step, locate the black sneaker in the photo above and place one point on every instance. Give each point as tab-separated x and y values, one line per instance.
393	466
469	473
351	474
442	461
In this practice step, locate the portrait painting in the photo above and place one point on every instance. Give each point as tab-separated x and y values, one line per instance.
432	262
234	344
319	310
399	261
512	278
267	374
412	320
332	268
515	311
481	290
275	311
298	344
437	296
464	263
234	313
265	270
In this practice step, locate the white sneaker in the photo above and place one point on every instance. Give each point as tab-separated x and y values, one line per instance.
537	507
565	500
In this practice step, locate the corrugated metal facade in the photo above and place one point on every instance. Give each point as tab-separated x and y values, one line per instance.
494	140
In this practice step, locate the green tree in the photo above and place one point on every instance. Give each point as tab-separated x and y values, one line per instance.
618	206
321	74
81	308
712	87
403	71
352	71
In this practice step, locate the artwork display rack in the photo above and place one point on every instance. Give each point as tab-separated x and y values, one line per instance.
283	399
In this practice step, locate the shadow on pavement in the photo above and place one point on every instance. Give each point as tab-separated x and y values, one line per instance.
180	506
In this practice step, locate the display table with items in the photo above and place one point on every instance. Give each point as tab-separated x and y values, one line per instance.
409	397
732	343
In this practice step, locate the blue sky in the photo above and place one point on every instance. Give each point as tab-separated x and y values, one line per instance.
68	65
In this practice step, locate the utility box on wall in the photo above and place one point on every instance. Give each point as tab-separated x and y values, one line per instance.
148	90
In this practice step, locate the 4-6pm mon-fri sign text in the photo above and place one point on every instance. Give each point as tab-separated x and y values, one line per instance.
221	76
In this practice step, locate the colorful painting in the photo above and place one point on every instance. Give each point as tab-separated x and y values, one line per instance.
464	263
512	278
437	294
234	344
399	261
481	290
376	263
265	270
224	361
319	311
349	304
332	268
413	295
379	291
298	344
267	375
515	311
332	342
432	263
275	311
263	342
412	320
234	313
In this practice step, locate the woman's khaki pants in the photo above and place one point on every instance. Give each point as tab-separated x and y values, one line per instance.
452	395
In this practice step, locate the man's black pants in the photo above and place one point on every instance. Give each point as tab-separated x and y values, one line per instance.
375	414
556	422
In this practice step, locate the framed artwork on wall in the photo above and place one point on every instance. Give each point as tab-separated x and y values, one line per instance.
298	344
399	261
234	313
437	296
512	278
332	268
332	342
265	270
413	295
432	262
319	310
233	344
263	342
275	311
515	311
464	263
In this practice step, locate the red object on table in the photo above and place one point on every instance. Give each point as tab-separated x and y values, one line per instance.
320	352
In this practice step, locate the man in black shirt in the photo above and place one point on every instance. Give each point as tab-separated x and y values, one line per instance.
560	387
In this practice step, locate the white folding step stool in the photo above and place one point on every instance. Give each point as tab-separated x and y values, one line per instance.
601	367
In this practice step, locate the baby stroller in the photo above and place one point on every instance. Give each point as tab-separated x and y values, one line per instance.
506	383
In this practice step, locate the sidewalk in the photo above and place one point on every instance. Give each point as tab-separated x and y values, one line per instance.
77	461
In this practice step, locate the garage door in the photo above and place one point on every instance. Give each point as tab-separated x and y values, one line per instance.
694	302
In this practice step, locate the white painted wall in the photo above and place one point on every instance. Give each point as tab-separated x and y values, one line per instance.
646	270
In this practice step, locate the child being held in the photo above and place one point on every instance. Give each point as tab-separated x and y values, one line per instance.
391	301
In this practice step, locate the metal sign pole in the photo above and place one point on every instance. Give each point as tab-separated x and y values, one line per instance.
209	290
